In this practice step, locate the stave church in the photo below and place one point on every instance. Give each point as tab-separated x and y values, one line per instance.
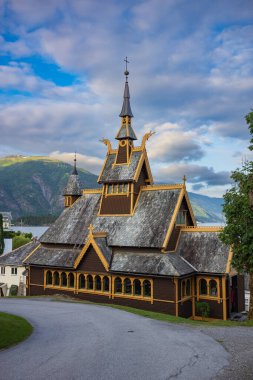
132	242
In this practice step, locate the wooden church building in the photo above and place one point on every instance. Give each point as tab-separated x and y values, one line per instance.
132	242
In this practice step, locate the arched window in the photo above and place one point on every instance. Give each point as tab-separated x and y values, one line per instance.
56	279
81	281
63	279
203	287
188	287
118	285
106	284
127	286
146	288
89	282
71	280
97	283
137	287
49	278
213	291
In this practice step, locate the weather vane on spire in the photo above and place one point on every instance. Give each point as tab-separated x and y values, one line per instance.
126	72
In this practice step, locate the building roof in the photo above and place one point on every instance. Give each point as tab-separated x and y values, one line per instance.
203	250
17	256
126	108
166	264
126	131
73	186
119	173
147	227
53	256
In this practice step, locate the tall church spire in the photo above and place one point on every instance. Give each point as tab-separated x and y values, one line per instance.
74	168
126	131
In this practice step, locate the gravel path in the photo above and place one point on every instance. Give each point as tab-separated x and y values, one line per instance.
238	341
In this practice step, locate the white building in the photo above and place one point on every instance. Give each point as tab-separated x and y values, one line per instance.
7	218
12	271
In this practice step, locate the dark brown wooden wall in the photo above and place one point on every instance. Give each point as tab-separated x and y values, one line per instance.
91	262
141	182
122	154
116	204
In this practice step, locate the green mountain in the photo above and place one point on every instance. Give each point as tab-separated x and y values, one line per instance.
33	186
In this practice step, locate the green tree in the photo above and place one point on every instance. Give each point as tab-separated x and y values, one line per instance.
20	240
1	235
238	210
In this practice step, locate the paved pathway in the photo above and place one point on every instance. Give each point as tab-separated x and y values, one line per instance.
83	341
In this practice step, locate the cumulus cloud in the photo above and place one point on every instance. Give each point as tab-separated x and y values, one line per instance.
171	143
196	174
90	163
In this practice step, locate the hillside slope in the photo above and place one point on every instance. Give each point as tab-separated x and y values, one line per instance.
33	186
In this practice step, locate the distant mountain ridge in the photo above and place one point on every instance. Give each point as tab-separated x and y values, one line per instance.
33	186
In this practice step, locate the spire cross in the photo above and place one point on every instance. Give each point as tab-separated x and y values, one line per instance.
125	60
184	179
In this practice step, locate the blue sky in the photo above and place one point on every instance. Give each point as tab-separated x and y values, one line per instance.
191	81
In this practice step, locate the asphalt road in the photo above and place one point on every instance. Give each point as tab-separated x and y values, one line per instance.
83	341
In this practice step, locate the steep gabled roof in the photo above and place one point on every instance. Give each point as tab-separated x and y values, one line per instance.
17	256
150	263
203	249
147	227
53	256
116	173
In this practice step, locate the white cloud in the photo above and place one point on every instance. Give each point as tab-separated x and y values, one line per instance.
90	163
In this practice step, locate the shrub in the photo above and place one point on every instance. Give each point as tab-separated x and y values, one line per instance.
14	290
203	309
20	240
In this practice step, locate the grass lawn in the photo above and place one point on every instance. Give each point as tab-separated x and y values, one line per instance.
164	317
13	329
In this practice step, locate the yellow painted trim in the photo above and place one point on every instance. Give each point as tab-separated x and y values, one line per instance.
92	191
132	198
190	207
143	159
173	219
207	296
193	297
31	253
163	187
176	291
224	299
92	242
139	167
230	256
160	300
202	229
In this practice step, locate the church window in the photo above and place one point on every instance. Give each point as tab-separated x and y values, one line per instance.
89	282
213	288
81	281
118	285
2	270
56	279
63	279
71	280
185	288
188	287
97	283
106	284
125	186
146	288
127	286
49	278
110	189
137	287
203	287
181	217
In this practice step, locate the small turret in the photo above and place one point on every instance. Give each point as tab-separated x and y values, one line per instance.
72	191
